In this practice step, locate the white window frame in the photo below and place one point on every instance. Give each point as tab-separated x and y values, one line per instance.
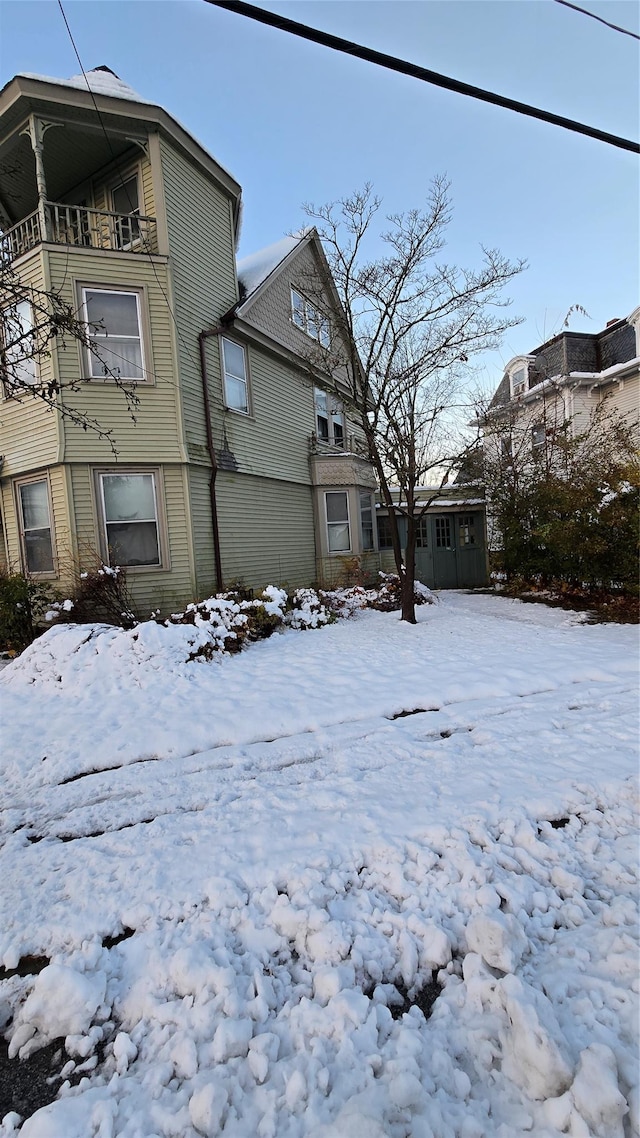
28	367
327	407
238	378
517	365
98	337
160	515
329	525
362	495
538	437
18	484
118	233
313	321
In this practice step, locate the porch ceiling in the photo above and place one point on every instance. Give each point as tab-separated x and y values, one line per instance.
72	153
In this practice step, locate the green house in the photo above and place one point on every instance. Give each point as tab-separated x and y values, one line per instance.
241	460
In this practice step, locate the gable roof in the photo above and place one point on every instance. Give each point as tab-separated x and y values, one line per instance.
254	269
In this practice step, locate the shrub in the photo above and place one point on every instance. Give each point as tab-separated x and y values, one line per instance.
101	596
23	603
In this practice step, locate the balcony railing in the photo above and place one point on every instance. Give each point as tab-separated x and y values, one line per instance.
81	227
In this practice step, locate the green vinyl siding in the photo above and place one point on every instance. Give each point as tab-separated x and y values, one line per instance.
154	435
200	229
29	436
273	441
266	531
165	589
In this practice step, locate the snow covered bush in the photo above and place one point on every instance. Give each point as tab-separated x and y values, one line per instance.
308	610
101	594
386	598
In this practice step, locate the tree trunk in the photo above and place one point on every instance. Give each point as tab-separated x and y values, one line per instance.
407	578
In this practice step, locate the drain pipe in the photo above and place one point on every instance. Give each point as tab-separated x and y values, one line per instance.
202	337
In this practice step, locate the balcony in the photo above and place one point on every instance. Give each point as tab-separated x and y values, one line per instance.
79	227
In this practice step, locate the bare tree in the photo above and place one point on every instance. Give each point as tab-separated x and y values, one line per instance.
407	329
32	319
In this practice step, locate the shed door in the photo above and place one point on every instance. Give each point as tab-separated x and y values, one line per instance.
444	552
472	568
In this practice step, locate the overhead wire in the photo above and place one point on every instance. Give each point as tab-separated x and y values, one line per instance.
144	241
600	19
404	67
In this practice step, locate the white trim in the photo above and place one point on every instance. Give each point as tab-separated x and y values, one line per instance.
337	552
238	378
101	338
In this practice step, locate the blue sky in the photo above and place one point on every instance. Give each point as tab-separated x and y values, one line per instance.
295	122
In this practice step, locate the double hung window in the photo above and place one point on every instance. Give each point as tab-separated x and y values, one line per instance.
18	347
35	526
234	367
115	330
338	532
366	521
329	418
129	510
310	319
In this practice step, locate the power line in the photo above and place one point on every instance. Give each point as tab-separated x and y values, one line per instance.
392	63
144	241
585	12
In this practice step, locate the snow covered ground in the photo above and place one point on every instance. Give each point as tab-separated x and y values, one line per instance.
299	846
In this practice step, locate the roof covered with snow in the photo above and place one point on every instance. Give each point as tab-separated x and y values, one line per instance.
101	80
254	269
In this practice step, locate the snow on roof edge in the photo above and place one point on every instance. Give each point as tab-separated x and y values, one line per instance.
254	269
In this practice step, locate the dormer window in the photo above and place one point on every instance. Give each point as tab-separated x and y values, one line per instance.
519	382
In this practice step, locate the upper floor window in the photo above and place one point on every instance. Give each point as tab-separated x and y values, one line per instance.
18	347
538	436
36	536
329	418
518	382
310	319
234	367
125	201
115	328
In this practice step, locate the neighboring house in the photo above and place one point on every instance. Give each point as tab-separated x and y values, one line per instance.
243	462
563	382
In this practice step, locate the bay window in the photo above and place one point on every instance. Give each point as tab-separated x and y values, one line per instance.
18	342
115	328
337	510
128	504
366	521
35	526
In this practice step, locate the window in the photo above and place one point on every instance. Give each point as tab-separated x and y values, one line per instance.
518	382
115	328
467	529
422	533
506	446
443	533
19	346
384	532
129	509
125	201
329	418
35	526
234	366
366	521
310	319
338	534
538	436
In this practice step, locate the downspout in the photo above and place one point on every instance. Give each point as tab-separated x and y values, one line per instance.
212	455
